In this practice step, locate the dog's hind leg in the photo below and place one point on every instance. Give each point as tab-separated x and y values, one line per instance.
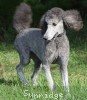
24	60
48	76
64	72
20	73
36	71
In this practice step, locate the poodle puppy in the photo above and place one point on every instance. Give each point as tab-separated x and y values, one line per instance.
46	45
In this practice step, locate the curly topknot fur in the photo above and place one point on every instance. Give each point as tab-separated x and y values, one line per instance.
22	17
54	12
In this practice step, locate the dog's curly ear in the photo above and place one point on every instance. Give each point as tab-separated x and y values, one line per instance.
43	24
42	21
73	19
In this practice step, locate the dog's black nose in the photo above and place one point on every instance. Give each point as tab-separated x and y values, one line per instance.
44	38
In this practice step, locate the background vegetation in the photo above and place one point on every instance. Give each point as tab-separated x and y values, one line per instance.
10	85
7	9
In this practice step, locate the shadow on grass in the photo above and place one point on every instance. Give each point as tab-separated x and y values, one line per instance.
7	82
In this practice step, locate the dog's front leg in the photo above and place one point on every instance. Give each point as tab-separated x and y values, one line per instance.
64	73
48	76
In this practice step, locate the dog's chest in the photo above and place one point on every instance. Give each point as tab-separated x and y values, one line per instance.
54	49
51	51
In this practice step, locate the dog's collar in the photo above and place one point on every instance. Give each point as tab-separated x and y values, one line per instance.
59	35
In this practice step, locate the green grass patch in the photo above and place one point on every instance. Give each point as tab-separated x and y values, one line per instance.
12	89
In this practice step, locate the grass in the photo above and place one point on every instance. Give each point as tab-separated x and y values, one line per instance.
12	89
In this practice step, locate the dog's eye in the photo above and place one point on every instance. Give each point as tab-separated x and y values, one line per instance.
54	24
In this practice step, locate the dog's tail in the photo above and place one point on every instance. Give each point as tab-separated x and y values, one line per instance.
22	18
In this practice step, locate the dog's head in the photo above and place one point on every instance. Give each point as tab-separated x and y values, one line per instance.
52	22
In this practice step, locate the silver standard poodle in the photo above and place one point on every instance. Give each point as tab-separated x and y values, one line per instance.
45	45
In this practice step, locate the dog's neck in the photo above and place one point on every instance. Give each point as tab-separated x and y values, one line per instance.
56	37
59	35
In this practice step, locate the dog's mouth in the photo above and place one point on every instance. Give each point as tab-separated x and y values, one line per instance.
58	35
55	36
48	40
